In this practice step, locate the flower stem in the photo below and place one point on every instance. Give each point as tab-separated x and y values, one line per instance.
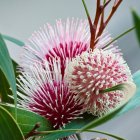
33	132
79	130
114	9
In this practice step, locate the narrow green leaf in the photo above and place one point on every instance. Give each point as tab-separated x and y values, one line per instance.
75	124
86	9
5	89
7	67
9	129
136	20
114	88
119	36
4	86
77	132
13	40
27	119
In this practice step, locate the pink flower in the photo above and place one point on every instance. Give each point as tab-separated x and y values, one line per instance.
43	79
96	70
48	95
64	41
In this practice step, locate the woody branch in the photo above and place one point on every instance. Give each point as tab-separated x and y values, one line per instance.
99	24
105	23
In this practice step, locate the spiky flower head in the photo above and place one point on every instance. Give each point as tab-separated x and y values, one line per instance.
65	40
48	95
93	71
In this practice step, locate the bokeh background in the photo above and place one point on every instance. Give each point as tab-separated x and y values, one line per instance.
19	18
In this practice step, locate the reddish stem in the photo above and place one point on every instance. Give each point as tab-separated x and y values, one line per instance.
104	24
95	24
115	7
33	132
99	16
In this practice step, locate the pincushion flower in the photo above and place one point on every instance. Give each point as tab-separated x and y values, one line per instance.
64	69
65	40
93	71
48	95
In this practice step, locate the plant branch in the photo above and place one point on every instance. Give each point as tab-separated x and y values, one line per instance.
96	30
104	24
114	8
33	132
103	10
99	16
95	24
79	130
102	14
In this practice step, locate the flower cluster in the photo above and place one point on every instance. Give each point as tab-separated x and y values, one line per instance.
62	77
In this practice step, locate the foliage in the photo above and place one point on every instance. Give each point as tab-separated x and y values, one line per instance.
9	130
136	20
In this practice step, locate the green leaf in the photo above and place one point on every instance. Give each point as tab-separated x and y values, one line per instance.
120	35
4	86
7	68
13	40
78	130
114	88
136	20
27	119
9	129
4	89
73	127
75	124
